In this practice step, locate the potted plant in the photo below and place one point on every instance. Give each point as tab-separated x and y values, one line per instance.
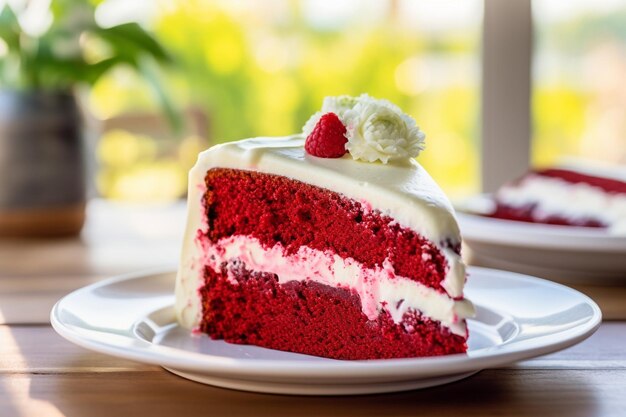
42	158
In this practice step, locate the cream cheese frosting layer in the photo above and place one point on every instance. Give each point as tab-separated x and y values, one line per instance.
401	190
377	288
554	196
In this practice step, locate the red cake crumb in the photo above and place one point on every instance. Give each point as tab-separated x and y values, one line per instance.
276	209
251	307
311	318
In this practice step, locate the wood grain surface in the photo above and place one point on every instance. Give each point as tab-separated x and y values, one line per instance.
41	374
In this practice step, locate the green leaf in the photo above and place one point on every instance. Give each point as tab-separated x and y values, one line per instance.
10	29
67	10
149	70
131	41
62	73
93	72
55	60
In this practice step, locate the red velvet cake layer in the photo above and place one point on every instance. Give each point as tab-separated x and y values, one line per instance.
311	318
275	209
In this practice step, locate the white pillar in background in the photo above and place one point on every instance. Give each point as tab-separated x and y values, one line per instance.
506	89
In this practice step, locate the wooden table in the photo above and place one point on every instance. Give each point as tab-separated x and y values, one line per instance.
43	375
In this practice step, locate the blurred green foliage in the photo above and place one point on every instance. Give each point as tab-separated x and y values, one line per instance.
580	78
558	120
259	78
578	34
73	49
258	72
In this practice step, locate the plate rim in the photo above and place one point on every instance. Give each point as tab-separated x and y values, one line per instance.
400	368
478	228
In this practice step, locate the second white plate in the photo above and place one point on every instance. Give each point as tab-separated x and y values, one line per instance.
518	317
563	253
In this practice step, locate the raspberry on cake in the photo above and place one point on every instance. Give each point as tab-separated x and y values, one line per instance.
572	196
345	256
328	138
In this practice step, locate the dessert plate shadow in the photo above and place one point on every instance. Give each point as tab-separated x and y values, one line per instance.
132	317
568	254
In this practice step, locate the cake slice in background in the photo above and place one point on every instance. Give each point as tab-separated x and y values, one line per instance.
340	245
575	194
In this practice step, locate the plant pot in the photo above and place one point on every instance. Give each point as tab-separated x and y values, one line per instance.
42	164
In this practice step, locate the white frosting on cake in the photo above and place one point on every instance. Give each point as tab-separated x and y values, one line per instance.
572	201
401	190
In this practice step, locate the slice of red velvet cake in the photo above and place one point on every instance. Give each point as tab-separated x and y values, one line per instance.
566	196
327	255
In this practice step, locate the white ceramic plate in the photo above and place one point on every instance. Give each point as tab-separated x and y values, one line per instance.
564	253
518	317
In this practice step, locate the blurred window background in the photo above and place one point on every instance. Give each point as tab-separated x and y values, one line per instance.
247	68
579	93
262	68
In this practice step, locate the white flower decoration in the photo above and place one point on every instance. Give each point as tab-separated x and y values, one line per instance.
379	130
338	105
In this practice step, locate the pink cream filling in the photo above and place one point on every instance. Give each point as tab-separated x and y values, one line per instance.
378	288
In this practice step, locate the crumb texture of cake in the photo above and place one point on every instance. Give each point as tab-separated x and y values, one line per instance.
312	318
336	258
564	197
297	215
